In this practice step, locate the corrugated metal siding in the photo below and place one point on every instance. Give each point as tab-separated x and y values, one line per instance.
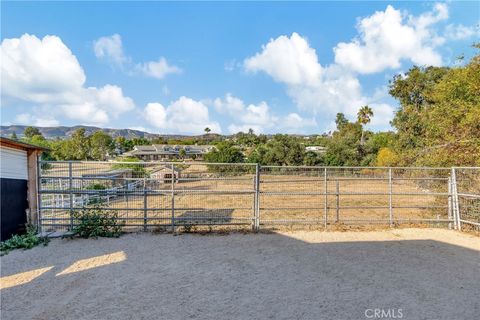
13	163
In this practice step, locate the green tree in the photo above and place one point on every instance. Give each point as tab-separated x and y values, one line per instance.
101	145
312	159
438	121
386	157
31	131
13	136
225	152
343	149
207	130
340	120
363	117
280	150
182	153
413	91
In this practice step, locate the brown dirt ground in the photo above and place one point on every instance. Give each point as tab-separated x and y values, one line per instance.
427	273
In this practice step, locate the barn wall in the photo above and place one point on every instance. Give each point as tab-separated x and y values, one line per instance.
14	187
13	163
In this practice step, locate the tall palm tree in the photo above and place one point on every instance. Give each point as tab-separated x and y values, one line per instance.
364	116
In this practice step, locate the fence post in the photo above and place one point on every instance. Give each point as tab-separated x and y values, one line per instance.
456	207
390	192
70	189
173	198
256	199
325	217
337	194
450	202
144	206
39	196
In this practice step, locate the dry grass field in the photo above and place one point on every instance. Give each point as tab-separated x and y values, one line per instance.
285	196
424	273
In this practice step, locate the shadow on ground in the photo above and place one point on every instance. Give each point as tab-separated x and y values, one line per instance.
253	276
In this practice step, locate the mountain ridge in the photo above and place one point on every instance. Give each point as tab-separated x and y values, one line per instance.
67	131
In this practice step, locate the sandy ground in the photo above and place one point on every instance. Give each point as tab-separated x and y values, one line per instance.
427	273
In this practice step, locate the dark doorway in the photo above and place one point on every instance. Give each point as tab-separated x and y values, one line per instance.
13	207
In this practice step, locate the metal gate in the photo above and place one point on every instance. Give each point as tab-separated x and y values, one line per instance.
168	195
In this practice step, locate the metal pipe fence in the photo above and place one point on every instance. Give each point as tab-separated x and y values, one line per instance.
168	195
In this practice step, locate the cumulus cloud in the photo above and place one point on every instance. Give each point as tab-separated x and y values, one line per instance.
229	105
157	69
383	114
317	89
44	72
388	37
258	117
461	32
39	70
385	39
287	59
39	121
184	115
110	48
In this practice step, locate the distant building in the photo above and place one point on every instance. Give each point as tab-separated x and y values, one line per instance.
166	152
316	149
164	175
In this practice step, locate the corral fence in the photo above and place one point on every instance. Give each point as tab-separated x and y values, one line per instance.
168	195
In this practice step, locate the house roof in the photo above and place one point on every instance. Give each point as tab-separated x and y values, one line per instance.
165	149
15	144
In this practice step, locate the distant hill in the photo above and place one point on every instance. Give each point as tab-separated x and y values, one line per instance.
65	132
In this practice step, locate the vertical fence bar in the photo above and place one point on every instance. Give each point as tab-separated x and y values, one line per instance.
337	195
390	196
144	205
173	198
256	197
70	191
325	214
39	196
456	206
450	202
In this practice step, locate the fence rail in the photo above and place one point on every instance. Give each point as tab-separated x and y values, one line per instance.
149	195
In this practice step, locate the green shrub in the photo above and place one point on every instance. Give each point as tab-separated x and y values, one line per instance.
24	241
96	186
94	222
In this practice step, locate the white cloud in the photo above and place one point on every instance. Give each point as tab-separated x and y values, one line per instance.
28	119
184	115
385	39
312	87
39	70
258	117
44	72
295	121
288	60
460	32
230	105
111	49
382	114
388	37
157	69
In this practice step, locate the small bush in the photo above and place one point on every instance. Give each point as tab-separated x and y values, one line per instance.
94	222
96	186
24	241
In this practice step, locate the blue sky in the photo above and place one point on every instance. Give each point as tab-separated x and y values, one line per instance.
171	67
